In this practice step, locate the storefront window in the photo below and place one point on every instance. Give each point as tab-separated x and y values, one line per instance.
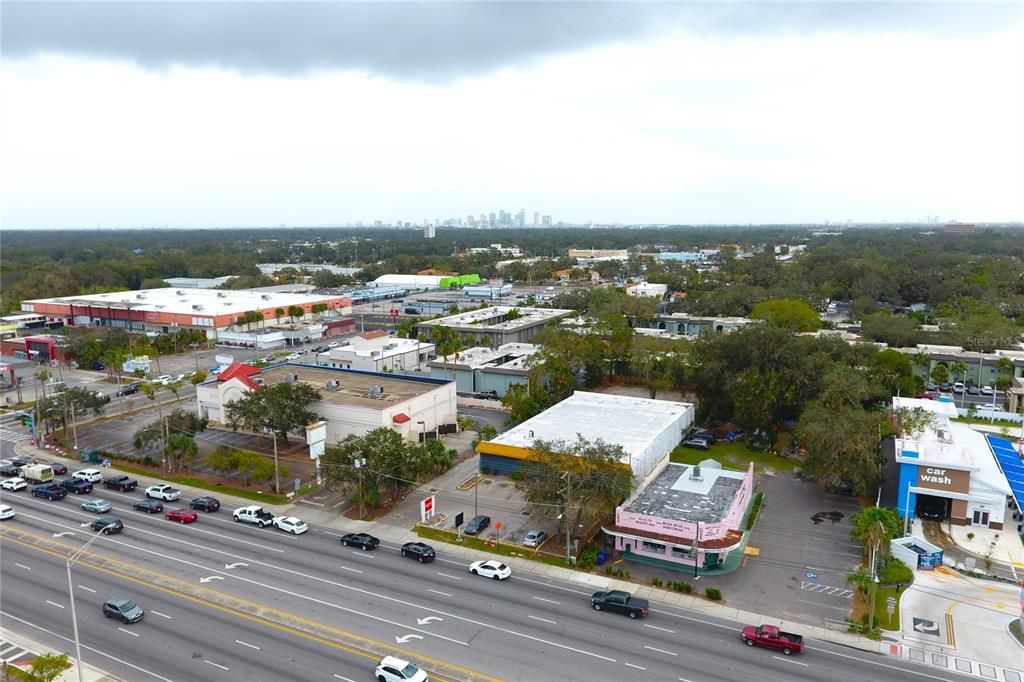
654	547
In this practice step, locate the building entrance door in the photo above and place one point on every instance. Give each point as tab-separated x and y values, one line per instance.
980	518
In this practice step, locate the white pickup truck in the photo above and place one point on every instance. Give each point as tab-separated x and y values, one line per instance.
254	514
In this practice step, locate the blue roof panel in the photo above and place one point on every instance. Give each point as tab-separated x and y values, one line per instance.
1012	465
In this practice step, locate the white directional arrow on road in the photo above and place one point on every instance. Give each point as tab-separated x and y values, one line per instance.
83	525
927	626
235	565
212	577
424	621
67	532
405	638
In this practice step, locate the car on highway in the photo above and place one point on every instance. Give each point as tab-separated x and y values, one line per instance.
14	484
23	461
206	504
491	568
363	541
987	390
51	491
254	514
772	637
149	506
123	483
293	356
477	524
182	515
6	512
90	475
420	551
162	380
163	492
123	609
107	525
76	486
101	396
9	470
392	669
97	506
618	601
291	524
129	389
534	538
987	408
58	468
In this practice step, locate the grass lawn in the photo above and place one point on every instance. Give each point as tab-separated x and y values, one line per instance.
862	603
734	456
504	549
255	495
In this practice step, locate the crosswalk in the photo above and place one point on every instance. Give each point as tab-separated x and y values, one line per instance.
10	652
13	436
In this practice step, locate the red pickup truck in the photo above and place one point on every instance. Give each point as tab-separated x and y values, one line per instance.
774	638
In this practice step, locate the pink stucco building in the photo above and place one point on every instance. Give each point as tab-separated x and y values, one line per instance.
685	515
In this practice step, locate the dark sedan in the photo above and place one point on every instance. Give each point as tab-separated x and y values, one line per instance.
107	525
76	486
419	551
206	504
58	468
363	541
149	506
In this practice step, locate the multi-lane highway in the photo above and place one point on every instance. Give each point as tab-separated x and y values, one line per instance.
228	601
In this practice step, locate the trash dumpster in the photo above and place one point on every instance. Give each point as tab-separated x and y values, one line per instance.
92	457
602	557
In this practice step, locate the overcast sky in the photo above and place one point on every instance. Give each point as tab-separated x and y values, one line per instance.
126	114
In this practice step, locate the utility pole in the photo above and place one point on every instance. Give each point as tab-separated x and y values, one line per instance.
359	463
277	470
568	519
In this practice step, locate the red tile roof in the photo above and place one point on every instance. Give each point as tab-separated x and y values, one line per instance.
239	370
401	418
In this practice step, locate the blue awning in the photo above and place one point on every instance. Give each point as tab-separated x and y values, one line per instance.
1012	465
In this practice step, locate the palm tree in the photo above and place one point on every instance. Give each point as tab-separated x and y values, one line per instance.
922	360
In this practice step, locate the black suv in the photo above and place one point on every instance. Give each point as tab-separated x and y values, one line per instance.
477	525
76	486
50	491
107	525
122	483
9	471
130	389
206	504
419	551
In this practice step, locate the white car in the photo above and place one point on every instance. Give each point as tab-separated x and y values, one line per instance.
983	408
8	513
291	524
13	484
392	669
332	344
163	492
293	356
986	390
91	475
163	380
490	569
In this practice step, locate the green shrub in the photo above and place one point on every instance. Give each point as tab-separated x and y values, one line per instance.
754	509
895	571
588	558
518	475
713	593
655	581
609	570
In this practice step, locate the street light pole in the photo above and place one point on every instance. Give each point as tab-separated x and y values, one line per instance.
696	552
71	595
360	462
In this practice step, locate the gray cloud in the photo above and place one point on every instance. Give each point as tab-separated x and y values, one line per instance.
432	41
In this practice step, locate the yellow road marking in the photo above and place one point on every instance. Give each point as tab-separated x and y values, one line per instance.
253	618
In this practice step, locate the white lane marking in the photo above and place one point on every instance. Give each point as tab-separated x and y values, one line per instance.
655	627
550	601
683	679
337	535
542	619
354	570
634	666
129	632
215	665
365	555
343	678
51	603
251	646
443	594
162	615
661	651
27	568
87	589
790	660
445	575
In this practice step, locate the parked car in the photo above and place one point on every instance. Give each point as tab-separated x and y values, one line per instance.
97	506
945	388
90	475
773	638
163	492
703	435
101	396
14	484
149	506
77	486
926	396
58	468
973	390
181	515
206	504
987	390
696	444
363	541
291	524
987	408
253	514
6	512
419	551
107	525
477	524
163	380
129	389
51	491
391	669
123	483
123	609
958	387
618	601
534	538
491	568
931	387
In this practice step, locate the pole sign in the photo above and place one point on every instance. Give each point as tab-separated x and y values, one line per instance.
458	520
427	509
394	312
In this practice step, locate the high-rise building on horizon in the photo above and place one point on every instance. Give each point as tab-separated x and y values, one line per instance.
545	221
536	218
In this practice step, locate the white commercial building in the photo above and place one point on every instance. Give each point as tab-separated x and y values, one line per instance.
411	282
647	289
378	351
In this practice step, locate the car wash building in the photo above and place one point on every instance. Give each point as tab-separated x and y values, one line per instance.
950	472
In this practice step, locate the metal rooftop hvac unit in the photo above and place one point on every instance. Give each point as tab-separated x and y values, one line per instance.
222	294
332	385
695	474
265	297
376	391
291	378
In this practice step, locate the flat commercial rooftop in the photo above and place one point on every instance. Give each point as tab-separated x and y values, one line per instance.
678	495
181	301
633	423
494	318
511	356
354	387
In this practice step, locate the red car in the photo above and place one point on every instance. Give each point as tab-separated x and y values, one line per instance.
181	515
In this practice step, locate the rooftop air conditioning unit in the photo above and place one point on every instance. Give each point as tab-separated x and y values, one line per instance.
140	296
180	292
265	297
695	474
222	294
197	306
332	385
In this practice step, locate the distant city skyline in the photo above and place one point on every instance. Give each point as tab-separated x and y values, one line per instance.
126	114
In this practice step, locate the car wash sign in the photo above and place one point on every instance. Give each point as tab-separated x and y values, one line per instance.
943	478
